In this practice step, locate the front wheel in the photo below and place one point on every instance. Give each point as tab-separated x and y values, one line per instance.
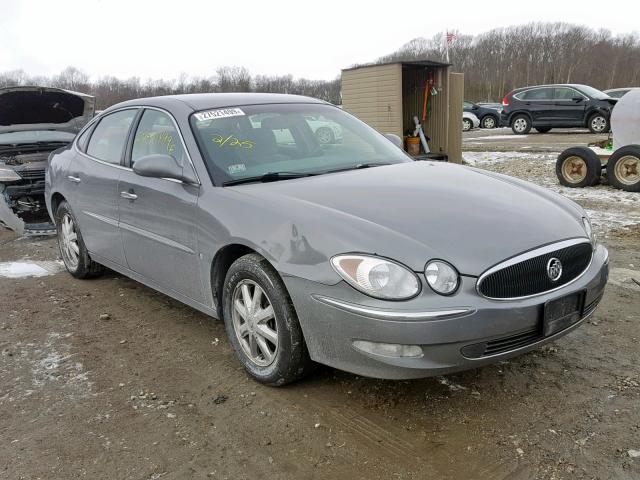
466	125
325	136
623	168
598	123
72	248
521	125
262	324
489	121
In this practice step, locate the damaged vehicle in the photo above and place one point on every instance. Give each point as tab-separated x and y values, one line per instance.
34	121
351	255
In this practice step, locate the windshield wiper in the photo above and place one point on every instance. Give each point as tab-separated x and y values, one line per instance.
356	167
268	177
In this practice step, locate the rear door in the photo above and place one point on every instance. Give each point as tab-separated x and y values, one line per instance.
568	110
92	179
539	103
156	214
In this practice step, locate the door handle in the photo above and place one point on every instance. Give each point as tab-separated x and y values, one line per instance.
74	179
128	195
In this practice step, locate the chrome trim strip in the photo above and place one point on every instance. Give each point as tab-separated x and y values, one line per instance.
390	314
157	238
110	221
532	254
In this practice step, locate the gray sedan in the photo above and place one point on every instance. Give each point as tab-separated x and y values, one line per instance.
349	254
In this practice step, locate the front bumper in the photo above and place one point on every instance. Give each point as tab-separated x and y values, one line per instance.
449	330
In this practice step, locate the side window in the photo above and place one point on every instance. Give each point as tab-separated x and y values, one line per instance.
538	94
565	93
467	105
109	137
156	134
82	139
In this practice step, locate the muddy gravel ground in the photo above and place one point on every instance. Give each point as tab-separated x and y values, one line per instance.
108	379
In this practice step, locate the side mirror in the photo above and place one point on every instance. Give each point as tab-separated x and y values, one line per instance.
475	107
164	166
578	99
395	139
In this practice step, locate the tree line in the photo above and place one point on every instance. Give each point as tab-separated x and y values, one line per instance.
109	90
494	63
497	61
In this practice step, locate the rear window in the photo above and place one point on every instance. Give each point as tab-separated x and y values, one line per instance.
536	94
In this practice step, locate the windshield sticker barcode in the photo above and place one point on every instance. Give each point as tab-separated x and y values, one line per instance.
219	113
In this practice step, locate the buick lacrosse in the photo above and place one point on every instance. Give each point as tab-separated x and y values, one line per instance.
344	252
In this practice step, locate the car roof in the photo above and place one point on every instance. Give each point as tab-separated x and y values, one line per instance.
574	85
203	101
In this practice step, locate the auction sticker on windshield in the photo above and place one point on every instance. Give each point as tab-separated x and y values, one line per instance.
218	113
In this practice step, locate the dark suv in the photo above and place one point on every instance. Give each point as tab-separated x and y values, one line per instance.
556	106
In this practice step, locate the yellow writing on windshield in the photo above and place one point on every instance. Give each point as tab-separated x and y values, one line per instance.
231	141
157	138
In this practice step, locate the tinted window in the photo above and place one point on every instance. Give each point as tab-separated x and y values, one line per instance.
252	140
156	134
537	94
109	137
566	93
82	139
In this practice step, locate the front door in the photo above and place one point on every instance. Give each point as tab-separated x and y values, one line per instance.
569	111
93	185
157	215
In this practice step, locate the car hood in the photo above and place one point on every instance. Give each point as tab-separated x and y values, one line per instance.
44	108
416	211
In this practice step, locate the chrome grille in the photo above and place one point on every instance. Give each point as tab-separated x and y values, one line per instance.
526	274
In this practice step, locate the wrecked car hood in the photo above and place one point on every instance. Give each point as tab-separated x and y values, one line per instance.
44	108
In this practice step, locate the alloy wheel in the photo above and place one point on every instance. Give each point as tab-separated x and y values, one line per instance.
254	323
598	123
69	247
520	125
488	122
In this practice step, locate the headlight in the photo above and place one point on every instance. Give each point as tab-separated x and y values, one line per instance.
589	230
377	277
8	175
441	277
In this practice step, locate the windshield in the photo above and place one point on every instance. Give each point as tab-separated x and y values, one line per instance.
34	136
250	141
593	92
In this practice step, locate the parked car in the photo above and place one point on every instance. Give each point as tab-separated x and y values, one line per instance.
352	255
494	105
619	92
545	107
326	131
469	121
489	117
34	121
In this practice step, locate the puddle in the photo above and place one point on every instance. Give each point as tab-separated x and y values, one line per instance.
23	269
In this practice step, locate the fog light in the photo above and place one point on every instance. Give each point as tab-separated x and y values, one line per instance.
388	349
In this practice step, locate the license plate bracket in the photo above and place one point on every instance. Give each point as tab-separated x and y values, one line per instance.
561	313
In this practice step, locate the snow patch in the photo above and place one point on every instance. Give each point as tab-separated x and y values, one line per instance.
22	269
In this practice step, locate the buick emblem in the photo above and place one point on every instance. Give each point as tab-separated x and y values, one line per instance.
554	269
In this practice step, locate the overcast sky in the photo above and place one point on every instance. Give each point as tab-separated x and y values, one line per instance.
312	39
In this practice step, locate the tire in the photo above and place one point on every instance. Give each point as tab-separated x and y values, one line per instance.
73	251
623	168
543	129
466	125
521	124
598	123
578	167
325	136
287	359
489	121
